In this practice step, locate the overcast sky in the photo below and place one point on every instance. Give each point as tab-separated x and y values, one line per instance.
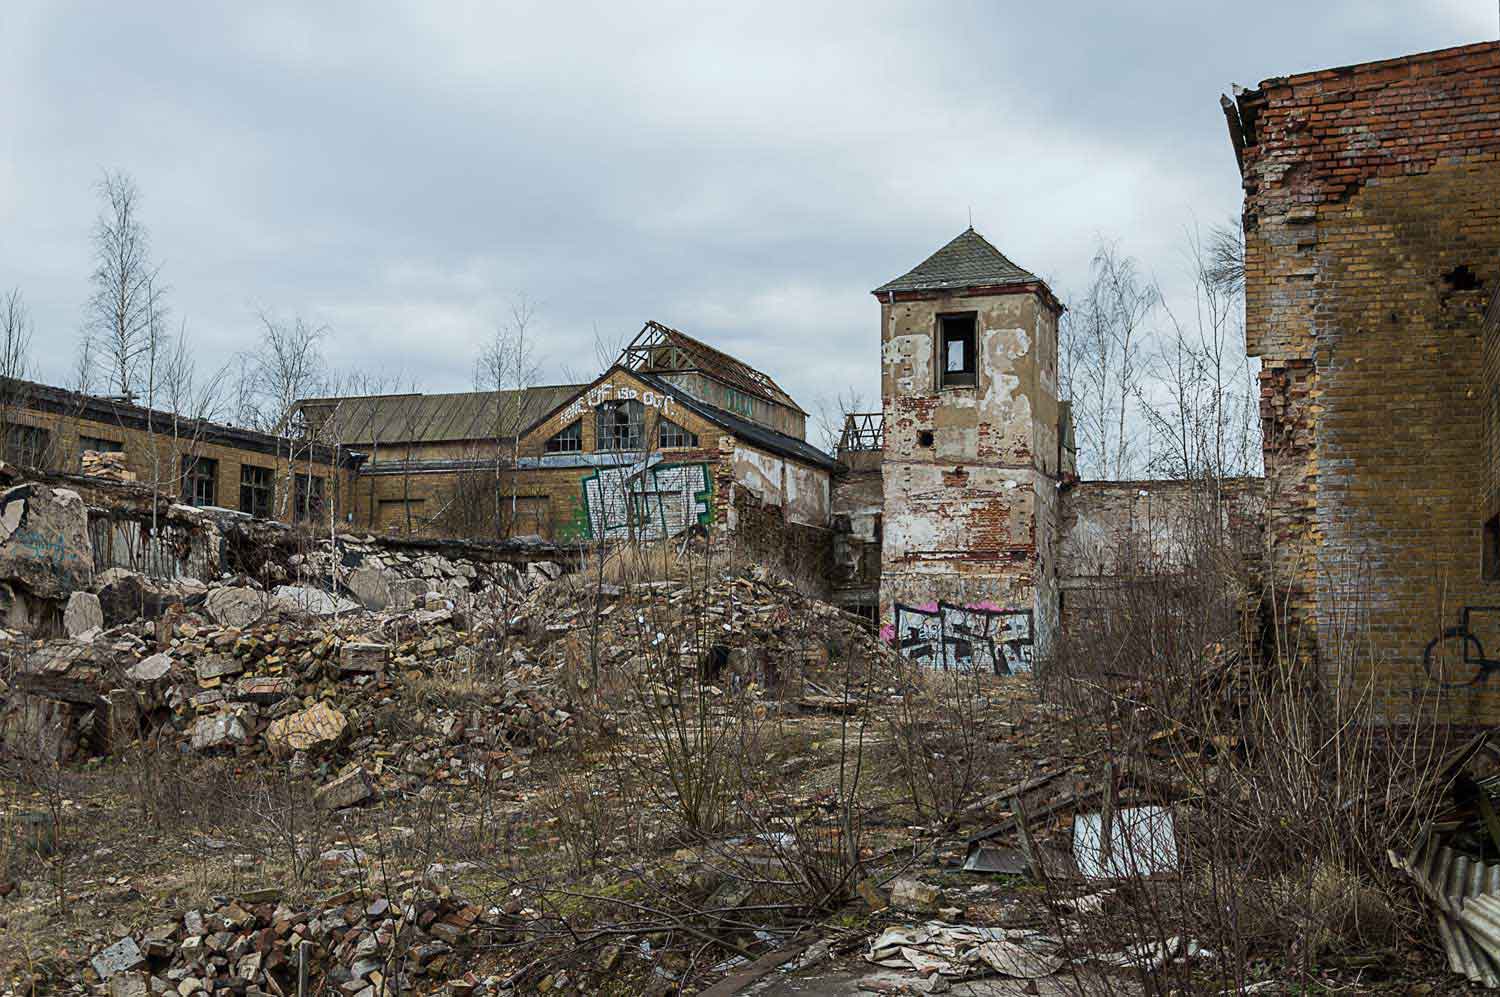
399	172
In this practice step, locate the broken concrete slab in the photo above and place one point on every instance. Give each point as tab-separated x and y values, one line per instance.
234	606
150	669
223	731
123	956
371	586
314	730
313	601
44	540
366	657
218	666
82	614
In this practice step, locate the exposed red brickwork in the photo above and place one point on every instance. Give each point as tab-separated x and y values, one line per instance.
1372	219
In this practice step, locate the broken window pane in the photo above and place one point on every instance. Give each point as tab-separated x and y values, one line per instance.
620	425
959	347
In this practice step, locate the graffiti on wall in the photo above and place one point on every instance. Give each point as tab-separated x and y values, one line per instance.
645	502
1457	658
980	635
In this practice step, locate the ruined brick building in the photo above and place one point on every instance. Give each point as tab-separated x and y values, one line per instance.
1372	232
953	490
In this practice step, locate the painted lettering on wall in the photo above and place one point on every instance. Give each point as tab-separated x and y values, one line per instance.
979	635
602	393
646	502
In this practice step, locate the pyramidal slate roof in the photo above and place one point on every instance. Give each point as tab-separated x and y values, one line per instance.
967	261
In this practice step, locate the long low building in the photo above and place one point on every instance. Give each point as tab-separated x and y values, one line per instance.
674	435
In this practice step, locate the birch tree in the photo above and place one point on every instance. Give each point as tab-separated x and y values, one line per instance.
127	307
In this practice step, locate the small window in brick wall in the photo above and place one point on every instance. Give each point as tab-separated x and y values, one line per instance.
257	486
200	481
569	440
307	495
1490	561
958	361
669	435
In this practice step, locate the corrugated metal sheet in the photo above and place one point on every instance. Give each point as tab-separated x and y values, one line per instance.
386	420
1455	885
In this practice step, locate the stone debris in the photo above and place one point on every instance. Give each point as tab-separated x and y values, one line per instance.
364	657
82	614
314	730
44	541
351	945
353	787
233	606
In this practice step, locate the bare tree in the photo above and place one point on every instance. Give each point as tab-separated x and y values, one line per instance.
15	361
1102	343
287	366
1200	405
830	414
127	306
507	368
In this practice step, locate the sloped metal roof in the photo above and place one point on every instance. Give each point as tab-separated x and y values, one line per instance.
441	418
967	261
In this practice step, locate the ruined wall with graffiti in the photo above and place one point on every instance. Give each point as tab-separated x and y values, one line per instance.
983	636
643	501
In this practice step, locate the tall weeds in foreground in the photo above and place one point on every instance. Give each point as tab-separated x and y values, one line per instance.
1288	781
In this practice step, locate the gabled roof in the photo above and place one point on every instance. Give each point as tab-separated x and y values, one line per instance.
751	432
968	261
439	418
661	349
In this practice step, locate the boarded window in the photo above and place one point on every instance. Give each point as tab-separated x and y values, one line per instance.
26	446
307	494
527	515
569	440
98	445
958	361
200	481
620	425
669	434
394	513
257	486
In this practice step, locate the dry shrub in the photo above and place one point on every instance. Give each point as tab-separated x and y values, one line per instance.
1291	781
941	752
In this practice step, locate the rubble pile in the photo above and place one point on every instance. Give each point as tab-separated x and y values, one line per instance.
382	575
350	944
311	693
749	623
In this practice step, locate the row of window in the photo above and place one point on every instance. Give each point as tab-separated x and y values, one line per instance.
28	446
200	484
621	425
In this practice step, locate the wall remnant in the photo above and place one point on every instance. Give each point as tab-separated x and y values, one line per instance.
1372	248
965	638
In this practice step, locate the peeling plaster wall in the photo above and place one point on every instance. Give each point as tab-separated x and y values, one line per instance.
971	518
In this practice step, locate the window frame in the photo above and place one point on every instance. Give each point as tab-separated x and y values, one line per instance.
33	452
307	491
667	430
968	375
251	489
606	438
197	471
571	433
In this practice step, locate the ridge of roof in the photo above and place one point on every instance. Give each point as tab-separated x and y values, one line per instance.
968	260
752	432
